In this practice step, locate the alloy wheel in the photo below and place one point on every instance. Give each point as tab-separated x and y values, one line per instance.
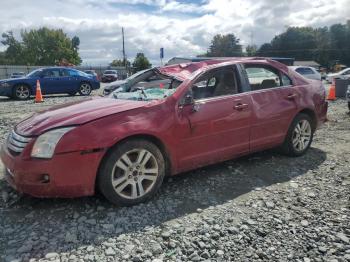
85	89
22	92
135	173
302	135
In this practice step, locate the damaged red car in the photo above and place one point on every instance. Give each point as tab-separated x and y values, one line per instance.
193	115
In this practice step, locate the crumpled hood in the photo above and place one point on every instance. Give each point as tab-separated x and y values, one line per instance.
75	113
114	85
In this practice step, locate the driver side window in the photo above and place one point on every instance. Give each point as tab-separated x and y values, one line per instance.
219	82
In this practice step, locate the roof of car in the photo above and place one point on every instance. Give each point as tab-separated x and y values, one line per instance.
186	70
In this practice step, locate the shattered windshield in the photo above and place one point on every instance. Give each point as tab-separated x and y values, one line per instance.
146	86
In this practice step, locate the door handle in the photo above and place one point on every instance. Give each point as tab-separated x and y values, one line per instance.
240	106
291	96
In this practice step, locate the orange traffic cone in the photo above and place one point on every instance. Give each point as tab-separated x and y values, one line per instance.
331	94
38	95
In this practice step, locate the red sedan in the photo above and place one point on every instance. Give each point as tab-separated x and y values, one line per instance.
125	144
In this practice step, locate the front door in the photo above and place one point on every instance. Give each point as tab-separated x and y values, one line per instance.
215	127
50	81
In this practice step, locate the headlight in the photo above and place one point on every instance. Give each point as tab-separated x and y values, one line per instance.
5	84
45	145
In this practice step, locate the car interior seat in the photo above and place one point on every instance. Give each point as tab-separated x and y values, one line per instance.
226	85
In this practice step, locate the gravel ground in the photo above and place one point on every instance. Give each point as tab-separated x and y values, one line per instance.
263	207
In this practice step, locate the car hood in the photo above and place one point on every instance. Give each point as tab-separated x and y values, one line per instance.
12	79
115	84
75	113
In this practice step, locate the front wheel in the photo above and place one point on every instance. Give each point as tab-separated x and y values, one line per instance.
21	92
299	136
85	89
131	173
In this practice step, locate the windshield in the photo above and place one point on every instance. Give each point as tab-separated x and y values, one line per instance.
35	73
147	85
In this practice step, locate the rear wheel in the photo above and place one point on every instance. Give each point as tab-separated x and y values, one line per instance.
85	89
21	92
349	105
299	136
132	172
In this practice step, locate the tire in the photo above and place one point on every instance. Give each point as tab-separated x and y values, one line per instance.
21	92
349	105
296	144
124	167
85	89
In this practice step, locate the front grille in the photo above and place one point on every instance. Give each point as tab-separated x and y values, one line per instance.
16	142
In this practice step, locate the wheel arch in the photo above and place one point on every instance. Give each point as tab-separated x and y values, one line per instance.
31	90
311	113
151	138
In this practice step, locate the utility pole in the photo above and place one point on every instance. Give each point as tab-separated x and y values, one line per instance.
124	57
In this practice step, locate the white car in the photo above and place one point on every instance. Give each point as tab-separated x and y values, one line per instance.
307	71
343	74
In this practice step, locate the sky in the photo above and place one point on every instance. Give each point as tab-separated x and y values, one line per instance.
181	27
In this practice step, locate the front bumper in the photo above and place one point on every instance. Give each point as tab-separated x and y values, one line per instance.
70	174
6	91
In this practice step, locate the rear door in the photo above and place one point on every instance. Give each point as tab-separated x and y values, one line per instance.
216	126
274	105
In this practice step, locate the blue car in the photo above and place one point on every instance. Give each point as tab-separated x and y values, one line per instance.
53	80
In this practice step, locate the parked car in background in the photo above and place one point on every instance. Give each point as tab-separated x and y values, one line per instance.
109	76
125	144
91	72
17	75
129	81
307	71
53	80
343	74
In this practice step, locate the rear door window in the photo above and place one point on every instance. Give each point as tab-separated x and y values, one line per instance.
262	77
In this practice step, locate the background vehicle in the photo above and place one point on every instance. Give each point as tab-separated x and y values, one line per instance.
343	74
18	75
91	72
109	76
129	81
53	80
125	144
307	71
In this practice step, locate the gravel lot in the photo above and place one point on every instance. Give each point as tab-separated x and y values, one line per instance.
263	207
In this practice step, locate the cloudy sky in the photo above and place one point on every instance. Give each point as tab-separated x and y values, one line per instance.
182	27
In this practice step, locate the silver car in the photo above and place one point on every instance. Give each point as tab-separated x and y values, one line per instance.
307	71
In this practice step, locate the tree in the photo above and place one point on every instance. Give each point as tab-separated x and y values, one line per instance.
251	50
41	46
225	46
141	62
14	52
120	62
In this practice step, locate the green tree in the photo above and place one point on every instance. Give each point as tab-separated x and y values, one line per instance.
141	62
41	46
120	62
14	52
225	46
251	50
